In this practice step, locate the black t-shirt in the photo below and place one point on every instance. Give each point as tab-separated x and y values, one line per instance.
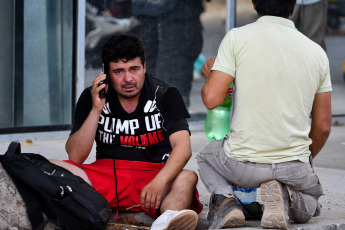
142	135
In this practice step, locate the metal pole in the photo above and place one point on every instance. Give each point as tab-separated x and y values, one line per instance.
231	15
80	81
231	23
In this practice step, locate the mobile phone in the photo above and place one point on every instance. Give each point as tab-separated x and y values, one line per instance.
102	92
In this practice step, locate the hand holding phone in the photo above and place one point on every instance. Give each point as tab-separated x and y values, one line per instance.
102	92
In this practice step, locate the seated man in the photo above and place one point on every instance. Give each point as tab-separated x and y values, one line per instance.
281	79
142	140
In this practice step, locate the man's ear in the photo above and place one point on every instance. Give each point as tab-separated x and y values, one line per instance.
144	67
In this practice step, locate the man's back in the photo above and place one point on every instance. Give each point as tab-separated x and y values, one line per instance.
277	73
281	80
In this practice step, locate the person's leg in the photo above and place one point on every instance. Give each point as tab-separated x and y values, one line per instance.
179	194
212	171
73	169
177	199
303	207
219	173
180	43
223	208
216	170
119	181
313	22
304	190
148	35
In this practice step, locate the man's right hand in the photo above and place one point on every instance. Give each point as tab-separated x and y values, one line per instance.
97	102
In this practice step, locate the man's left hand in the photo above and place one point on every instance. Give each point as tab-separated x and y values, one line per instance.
207	67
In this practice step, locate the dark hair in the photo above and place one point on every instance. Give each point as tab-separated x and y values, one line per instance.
124	47
280	8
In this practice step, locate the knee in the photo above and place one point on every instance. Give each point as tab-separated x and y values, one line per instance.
200	157
211	148
299	216
187	177
302	208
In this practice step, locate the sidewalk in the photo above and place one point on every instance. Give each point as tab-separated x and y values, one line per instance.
330	167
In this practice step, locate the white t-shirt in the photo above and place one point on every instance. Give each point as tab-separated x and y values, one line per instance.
277	72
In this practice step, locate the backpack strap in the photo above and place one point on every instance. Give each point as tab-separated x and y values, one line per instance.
13	148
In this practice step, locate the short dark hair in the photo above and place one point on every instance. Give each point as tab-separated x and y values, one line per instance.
280	8
124	47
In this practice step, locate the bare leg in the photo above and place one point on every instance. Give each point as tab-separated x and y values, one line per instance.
179	194
73	169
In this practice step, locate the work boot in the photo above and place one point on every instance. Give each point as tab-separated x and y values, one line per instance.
276	205
215	201
227	215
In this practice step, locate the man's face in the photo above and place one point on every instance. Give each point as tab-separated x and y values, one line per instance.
127	78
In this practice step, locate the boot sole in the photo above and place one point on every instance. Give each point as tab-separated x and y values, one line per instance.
233	219
275	213
184	221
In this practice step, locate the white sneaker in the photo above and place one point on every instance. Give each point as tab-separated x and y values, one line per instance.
169	220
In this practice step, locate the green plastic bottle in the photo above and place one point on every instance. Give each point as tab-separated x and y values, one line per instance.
217	120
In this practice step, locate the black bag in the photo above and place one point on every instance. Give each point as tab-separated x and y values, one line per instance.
67	200
252	211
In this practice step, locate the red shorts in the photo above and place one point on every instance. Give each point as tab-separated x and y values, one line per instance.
131	177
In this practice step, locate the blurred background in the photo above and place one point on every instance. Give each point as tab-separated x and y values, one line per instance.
51	51
214	19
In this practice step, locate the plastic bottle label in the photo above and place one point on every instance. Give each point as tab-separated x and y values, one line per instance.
228	98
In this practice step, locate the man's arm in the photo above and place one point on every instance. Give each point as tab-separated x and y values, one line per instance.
216	86
79	144
321	122
180	154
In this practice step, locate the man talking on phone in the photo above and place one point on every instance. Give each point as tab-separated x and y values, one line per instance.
142	141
